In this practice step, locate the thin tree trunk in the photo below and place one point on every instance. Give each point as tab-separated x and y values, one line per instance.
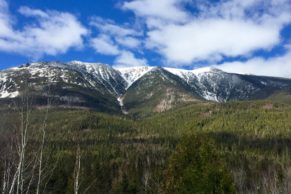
77	170
41	151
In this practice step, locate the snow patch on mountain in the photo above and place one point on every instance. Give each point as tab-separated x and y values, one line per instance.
7	94
132	74
182	73
204	70
210	96
209	83
186	75
83	74
3	77
121	104
5	89
104	73
197	71
200	77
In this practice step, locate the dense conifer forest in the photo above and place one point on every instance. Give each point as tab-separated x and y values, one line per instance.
235	147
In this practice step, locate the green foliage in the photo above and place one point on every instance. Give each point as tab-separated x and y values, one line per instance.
197	168
250	143
125	186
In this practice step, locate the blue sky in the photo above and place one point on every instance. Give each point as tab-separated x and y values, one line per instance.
250	36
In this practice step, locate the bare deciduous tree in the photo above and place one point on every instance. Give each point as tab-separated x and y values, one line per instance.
77	170
23	165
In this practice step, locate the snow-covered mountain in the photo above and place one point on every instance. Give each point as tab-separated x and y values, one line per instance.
71	84
105	74
215	85
92	74
132	74
97	85
197	78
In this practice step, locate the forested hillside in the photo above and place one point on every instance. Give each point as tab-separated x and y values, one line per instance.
237	147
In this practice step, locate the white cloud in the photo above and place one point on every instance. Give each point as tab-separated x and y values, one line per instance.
256	10
278	66
206	39
111	28
117	40
104	45
5	19
127	59
161	9
112	37
28	12
228	28
129	42
50	33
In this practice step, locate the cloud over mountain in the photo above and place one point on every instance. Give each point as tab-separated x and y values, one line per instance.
214	30
240	36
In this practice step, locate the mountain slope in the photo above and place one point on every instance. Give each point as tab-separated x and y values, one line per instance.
157	91
66	84
104	74
216	85
131	90
132	74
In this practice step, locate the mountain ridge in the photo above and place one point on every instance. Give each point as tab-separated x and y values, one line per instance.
84	83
